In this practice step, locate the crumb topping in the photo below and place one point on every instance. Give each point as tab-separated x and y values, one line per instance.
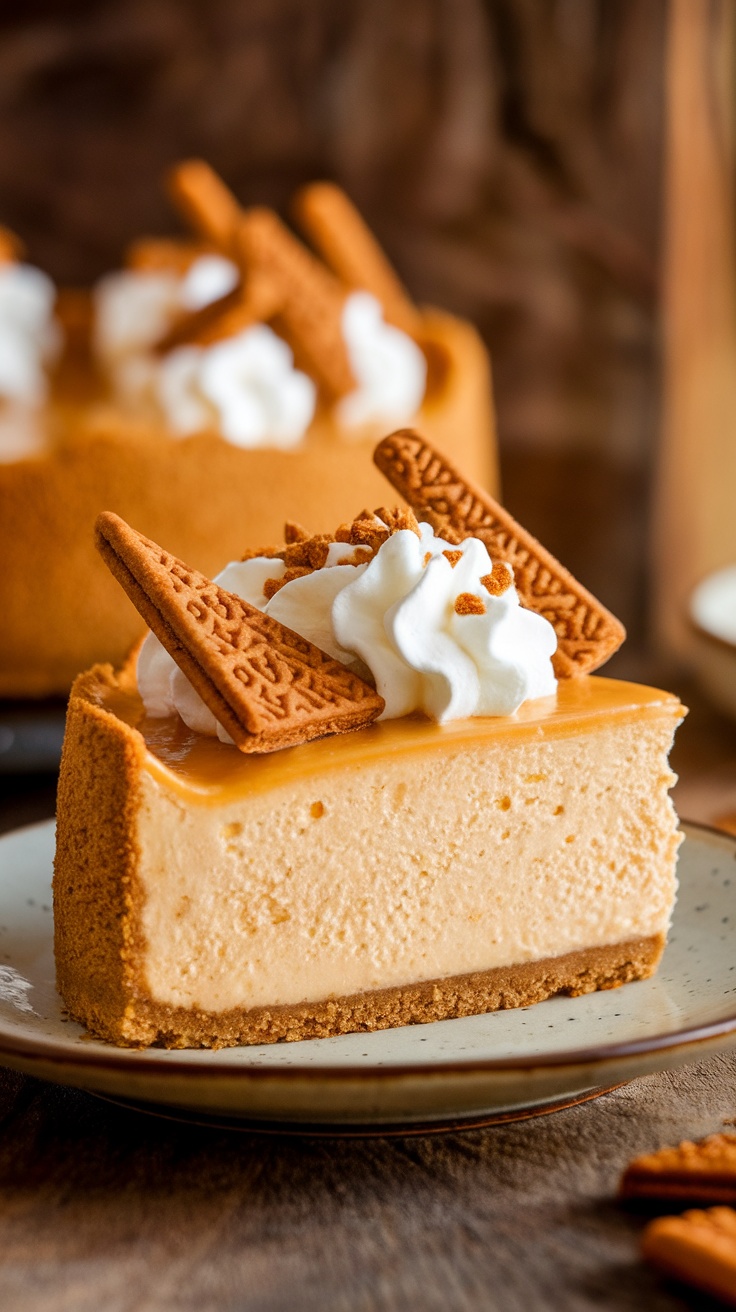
302	553
466	603
498	580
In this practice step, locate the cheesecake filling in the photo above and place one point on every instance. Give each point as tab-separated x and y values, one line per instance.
438	629
416	854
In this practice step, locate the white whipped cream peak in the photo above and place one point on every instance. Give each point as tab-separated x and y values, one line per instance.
396	619
134	308
29	335
206	280
389	368
246	386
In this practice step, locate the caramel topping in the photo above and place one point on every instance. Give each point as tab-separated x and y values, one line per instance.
453	557
206	770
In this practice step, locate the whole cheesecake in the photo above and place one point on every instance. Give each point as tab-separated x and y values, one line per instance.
94	446
247	853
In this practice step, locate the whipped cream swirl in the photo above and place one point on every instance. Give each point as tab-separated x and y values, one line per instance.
135	308
245	387
389	368
29	335
417	619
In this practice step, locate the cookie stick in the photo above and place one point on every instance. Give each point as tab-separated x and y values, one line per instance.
348	246
205	201
11	247
702	1172
210	206
274	266
587	633
267	686
164	255
697	1247
253	302
312	299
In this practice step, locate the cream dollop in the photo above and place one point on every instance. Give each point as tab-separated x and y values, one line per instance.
135	308
29	335
403	619
246	386
389	368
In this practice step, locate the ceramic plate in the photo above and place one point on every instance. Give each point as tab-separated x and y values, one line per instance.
482	1066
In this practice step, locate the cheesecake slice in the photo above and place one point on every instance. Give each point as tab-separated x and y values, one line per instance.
404	873
361	780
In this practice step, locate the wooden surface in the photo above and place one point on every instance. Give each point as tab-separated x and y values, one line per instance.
104	1210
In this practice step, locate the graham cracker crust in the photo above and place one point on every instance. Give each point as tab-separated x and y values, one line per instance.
147	1023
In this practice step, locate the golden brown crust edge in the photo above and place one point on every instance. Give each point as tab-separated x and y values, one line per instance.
95	885
147	1023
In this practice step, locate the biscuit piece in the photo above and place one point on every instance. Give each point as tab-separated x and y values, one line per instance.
11	247
239	309
703	1172
164	255
312	299
204	200
266	685
587	633
348	246
697	1247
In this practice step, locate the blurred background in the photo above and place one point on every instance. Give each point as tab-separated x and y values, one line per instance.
558	171
508	153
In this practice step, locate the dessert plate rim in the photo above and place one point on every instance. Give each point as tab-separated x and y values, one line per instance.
102	1067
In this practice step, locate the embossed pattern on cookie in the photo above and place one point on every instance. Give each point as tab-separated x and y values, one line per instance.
587	633
697	1247
266	685
702	1172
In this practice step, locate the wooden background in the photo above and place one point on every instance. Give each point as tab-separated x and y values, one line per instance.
508	152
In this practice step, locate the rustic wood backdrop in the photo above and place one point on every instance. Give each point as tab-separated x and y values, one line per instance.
508	152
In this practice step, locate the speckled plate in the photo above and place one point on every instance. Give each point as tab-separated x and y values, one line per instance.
481	1067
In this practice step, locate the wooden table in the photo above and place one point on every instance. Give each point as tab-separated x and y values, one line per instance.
107	1210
